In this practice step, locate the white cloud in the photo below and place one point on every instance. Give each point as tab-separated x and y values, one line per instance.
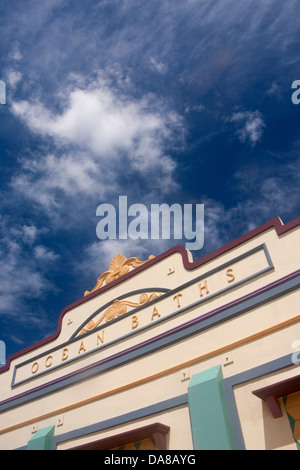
274	90
16	54
196	108
158	66
250	126
100	136
30	233
107	124
13	78
20	280
22	272
72	173
26	234
42	253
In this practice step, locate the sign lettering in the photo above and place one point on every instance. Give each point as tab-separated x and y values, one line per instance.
106	335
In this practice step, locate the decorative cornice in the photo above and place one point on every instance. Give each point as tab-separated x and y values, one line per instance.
181	332
117	309
273	224
118	267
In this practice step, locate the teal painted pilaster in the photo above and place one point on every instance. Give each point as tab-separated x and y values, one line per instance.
209	417
42	439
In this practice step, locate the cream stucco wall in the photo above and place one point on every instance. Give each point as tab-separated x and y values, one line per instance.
262	334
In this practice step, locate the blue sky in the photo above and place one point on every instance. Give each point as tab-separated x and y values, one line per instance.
168	101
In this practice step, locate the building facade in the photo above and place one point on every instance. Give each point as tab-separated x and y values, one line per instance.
171	354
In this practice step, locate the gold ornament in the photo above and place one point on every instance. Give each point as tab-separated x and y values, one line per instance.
117	309
118	267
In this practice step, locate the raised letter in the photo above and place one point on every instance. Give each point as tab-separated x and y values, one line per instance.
81	347
230	274
65	354
188	226
109	221
100	338
203	287
178	299
47	364
35	367
134	321
155	312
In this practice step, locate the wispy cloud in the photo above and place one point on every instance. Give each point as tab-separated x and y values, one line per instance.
21	276
13	78
158	66
262	196
249	126
274	90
